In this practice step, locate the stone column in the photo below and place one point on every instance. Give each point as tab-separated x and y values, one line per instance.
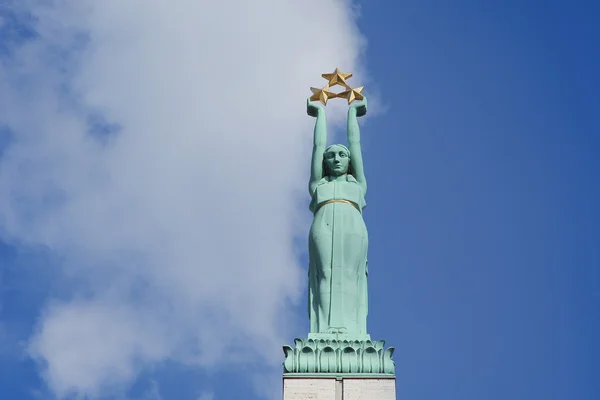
339	388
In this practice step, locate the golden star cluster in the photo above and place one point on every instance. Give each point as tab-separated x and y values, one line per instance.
337	77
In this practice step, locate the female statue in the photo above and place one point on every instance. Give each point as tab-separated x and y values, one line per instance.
338	238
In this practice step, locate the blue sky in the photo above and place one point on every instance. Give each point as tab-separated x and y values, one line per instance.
482	210
494	129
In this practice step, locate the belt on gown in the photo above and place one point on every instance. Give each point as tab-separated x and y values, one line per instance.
336	201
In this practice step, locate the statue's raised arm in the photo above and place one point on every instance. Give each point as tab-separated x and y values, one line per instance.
356	109
315	109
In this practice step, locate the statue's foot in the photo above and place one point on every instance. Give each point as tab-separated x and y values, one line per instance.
336	330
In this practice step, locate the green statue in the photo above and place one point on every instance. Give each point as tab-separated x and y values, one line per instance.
338	240
338	343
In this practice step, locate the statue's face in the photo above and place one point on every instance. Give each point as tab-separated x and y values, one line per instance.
337	160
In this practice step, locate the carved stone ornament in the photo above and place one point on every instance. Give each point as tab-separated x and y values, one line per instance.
338	356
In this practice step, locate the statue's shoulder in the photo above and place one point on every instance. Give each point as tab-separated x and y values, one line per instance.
323	181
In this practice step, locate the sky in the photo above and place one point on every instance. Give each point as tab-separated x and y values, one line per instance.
154	162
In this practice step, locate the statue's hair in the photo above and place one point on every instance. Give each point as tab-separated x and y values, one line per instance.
326	170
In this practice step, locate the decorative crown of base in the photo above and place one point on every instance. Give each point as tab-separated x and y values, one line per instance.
338	356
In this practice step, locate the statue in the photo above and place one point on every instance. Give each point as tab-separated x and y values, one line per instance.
338	342
338	237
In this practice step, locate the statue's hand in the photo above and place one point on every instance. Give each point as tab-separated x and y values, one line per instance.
360	106
313	108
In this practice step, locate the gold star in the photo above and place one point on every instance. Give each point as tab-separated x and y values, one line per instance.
352	94
322	94
337	77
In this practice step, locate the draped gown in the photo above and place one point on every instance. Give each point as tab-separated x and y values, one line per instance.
338	243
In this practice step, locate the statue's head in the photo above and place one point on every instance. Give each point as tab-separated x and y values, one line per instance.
336	161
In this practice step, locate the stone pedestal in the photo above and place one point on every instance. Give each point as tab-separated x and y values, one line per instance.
336	356
326	367
339	388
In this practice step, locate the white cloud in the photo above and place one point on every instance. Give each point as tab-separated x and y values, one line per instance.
88	340
179	229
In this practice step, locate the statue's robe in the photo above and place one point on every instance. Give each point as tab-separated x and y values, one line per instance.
338	244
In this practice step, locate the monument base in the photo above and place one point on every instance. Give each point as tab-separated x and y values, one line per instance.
339	388
334	356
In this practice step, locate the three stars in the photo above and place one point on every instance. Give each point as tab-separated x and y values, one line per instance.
337	77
